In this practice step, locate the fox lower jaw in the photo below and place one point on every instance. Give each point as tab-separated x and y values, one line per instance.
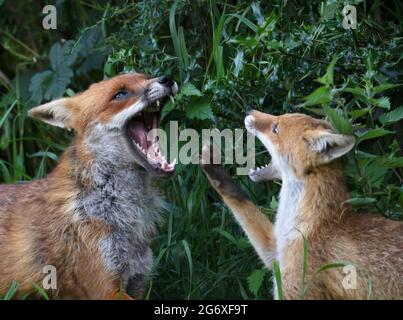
265	173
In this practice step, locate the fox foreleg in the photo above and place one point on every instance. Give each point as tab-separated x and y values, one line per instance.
256	225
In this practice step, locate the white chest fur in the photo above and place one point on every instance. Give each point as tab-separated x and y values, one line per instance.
285	225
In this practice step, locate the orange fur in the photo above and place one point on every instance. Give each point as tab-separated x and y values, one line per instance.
373	244
37	224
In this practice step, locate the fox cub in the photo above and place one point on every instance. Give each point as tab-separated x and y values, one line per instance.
305	156
92	218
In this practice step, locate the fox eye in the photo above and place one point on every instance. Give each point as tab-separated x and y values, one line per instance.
121	94
274	128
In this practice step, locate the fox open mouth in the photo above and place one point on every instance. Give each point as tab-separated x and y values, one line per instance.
267	172
142	133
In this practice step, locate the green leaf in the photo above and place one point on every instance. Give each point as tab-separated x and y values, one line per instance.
219	61
358	113
331	266
37	85
44	154
320	96
7	113
382	102
188	89
277	277
189	258
199	109
89	47
370	60
322	268
62	56
392	116
395	162
168	107
41	291
373	133
357	92
374	173
11	291
60	79
255	280
5	172
227	235
183	49
328	10
341	124
360	201
274	44
238	62
385	86
246	21
327	79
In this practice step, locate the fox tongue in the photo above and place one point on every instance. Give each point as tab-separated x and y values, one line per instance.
138	134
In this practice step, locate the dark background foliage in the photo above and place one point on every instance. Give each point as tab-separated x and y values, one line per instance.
228	57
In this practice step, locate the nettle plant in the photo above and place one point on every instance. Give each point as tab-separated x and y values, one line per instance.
363	109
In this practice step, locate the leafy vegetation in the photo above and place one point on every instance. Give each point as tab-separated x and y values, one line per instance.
228	56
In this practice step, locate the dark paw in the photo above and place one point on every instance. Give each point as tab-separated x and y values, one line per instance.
218	176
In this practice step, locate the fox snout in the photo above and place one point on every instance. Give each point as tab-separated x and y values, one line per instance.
257	120
160	87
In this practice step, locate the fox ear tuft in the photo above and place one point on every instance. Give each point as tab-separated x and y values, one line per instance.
56	113
330	146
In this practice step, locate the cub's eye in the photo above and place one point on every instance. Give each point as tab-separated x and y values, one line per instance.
274	128
122	94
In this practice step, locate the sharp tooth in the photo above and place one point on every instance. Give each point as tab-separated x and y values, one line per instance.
158	103
173	163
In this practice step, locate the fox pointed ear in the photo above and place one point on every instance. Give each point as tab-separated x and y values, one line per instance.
328	145
57	113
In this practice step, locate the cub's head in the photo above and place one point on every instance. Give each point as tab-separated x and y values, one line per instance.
114	119
297	143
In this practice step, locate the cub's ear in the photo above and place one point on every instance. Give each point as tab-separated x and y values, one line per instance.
328	145
57	113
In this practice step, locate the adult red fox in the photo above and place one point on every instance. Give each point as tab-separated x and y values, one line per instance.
92	218
305	155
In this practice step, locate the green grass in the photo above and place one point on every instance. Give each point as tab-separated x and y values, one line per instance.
275	56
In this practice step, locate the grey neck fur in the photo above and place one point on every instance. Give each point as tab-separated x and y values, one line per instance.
121	195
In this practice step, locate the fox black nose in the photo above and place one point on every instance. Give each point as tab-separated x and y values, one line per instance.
166	81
